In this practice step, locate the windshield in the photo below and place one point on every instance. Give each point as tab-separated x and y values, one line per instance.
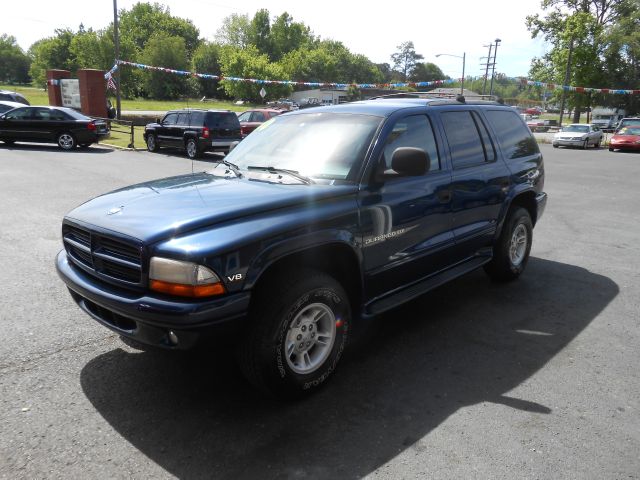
317	145
576	128
630	131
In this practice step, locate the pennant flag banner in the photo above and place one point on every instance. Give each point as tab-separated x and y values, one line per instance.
524	81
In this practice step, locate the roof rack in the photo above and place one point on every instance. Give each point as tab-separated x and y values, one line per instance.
457	98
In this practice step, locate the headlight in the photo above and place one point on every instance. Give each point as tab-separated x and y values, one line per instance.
185	279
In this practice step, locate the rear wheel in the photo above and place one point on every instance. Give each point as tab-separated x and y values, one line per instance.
152	143
66	141
193	151
511	251
296	334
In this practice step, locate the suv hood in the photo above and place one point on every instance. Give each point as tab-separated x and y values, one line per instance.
166	207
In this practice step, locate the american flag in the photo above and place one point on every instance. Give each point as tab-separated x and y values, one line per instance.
111	84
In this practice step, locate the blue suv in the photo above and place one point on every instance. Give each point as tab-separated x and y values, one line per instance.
318	219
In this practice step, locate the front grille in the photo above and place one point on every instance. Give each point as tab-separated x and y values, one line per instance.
103	255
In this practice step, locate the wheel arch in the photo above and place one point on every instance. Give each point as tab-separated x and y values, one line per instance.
337	259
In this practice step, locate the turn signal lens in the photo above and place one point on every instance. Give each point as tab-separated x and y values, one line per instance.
185	279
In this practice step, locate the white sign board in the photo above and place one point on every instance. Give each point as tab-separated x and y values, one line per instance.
262	92
70	91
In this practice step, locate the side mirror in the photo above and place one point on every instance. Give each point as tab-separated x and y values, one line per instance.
410	161
158	120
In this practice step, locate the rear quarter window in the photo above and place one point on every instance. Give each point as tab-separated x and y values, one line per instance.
514	137
223	120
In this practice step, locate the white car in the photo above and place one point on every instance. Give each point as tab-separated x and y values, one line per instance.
6	105
578	135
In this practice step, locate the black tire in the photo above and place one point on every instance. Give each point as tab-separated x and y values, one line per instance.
152	143
502	267
193	149
585	144
277	323
610	149
66	141
555	146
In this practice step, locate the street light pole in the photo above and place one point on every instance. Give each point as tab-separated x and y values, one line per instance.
486	72
464	59
493	67
116	42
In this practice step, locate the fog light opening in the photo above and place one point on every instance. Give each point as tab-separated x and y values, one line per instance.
173	338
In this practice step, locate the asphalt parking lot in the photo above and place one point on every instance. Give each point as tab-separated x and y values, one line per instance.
535	379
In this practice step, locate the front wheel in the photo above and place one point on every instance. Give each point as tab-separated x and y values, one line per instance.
511	251
66	141
152	143
296	334
585	144
610	149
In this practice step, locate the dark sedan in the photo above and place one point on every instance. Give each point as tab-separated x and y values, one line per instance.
60	125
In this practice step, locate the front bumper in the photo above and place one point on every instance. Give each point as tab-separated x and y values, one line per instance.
625	146
578	142
148	318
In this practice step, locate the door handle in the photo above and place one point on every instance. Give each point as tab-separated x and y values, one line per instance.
444	196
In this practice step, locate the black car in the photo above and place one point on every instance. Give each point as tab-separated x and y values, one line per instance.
195	131
60	125
315	222
10	96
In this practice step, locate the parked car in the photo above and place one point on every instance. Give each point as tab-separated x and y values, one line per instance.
628	122
9	96
607	118
328	216
578	135
195	131
252	119
627	138
60	125
533	111
5	105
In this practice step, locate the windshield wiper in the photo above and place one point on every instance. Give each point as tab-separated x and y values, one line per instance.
292	173
231	166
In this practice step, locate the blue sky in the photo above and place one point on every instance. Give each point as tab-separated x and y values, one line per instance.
363	27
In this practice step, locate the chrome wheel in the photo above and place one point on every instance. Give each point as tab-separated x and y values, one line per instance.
66	141
151	143
192	149
518	245
310	338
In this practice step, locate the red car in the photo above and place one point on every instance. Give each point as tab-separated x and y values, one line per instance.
533	111
627	138
251	119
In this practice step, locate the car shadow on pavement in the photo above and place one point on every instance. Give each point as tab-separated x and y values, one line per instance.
467	342
38	147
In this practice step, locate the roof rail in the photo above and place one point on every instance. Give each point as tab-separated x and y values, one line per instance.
440	96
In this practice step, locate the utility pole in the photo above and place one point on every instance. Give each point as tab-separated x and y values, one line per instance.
566	81
493	66
116	41
486	72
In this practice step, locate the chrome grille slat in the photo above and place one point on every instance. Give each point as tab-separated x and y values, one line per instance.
104	256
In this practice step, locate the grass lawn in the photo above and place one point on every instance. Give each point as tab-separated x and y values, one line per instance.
122	139
37	96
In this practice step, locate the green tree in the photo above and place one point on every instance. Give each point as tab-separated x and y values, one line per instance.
51	53
405	59
234	31
259	32
145	20
251	64
426	72
170	52
206	59
287	36
14	63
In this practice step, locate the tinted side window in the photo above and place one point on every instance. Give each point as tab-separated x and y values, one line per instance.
244	117
465	144
514	137
223	120
4	96
170	119
258	117
197	119
489	150
414	131
19	113
183	119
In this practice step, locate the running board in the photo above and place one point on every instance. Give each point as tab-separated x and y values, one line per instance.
423	286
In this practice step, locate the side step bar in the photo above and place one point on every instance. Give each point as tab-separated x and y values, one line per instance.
381	305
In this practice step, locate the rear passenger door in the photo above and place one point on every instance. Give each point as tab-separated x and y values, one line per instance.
405	221
480	182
